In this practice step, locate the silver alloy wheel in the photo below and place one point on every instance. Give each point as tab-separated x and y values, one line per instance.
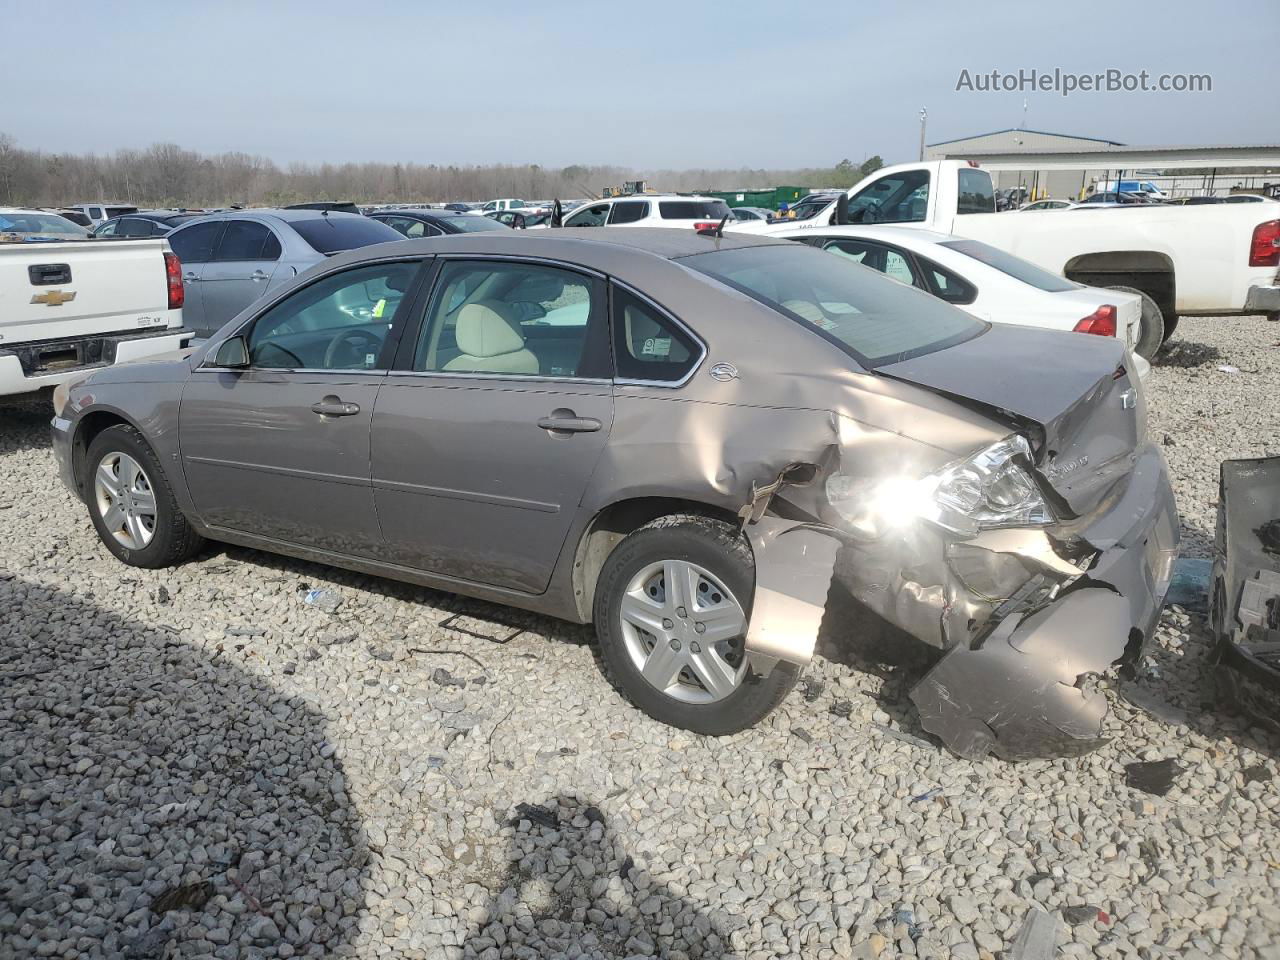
684	631
125	499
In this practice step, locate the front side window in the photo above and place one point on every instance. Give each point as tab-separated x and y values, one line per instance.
976	194
629	211
875	321
338	323
194	244
896	198
108	229
593	216
135	227
648	345
513	319
243	240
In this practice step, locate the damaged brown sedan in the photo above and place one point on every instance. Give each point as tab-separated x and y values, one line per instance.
693	442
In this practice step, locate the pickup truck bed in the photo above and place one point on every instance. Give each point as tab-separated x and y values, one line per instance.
66	308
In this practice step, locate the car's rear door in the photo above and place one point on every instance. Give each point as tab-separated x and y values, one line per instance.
240	271
194	244
489	429
280	450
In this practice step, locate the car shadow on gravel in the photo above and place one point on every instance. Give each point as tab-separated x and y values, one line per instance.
153	795
571	882
1186	354
24	425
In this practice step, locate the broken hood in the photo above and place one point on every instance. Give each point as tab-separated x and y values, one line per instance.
1072	395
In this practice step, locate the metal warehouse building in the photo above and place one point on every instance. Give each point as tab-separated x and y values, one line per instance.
1063	184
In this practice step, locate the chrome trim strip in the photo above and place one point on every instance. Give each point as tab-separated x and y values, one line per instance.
470	496
282	471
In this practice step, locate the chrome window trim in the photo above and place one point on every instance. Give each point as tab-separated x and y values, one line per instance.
669	315
514	377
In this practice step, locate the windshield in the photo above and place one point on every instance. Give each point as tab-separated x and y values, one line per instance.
1015	267
474	224
343	232
875	319
810	207
40	223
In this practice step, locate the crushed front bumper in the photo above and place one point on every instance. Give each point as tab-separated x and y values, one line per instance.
1026	686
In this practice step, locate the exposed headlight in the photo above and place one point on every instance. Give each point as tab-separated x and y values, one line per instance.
989	489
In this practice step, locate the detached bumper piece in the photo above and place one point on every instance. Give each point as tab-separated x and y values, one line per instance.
1244	601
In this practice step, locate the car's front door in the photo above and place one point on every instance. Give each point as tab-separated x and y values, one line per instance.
240	272
280	449
487	433
194	246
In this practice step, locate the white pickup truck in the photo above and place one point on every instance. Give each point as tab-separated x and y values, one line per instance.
70	307
1211	259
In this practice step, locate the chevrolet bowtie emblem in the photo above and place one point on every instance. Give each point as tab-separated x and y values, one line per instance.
54	298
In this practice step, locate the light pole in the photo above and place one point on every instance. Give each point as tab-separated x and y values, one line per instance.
924	115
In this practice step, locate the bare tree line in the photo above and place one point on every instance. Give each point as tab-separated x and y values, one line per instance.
166	175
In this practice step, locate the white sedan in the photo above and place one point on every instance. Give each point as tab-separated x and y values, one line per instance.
984	281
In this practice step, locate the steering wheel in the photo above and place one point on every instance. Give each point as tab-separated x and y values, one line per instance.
269	345
870	214
352	340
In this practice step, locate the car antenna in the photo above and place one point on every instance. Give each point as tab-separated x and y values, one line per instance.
716	231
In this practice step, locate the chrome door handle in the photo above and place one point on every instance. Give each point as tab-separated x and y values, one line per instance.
259	275
570	424
333	407
190	278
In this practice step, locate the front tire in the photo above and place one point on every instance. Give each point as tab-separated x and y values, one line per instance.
131	503
671	610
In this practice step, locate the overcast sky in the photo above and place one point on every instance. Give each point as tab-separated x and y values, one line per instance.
643	84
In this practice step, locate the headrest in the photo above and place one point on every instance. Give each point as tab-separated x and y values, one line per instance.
487	329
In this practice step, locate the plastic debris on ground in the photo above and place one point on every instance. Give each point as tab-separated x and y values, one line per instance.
1036	939
1155	777
542	816
323	599
1228	368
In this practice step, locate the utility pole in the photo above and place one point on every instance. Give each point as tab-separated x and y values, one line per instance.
924	115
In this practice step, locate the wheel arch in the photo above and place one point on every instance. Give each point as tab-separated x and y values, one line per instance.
1150	271
612	524
88	428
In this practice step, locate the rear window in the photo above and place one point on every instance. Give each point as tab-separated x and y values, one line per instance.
871	317
338	232
1007	263
693	210
976	195
474	224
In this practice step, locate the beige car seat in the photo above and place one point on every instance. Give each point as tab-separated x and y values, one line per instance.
491	341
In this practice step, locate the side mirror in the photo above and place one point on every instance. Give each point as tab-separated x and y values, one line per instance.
232	354
841	213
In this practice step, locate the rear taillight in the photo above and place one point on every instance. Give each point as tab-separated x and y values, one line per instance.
706	224
173	275
1101	323
1264	249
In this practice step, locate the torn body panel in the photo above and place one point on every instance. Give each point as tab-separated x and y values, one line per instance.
794	563
1022	687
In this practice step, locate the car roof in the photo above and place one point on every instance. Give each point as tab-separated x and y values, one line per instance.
288	216
589	246
650	196
436	212
886	232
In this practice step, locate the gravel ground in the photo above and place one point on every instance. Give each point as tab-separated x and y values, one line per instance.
196	762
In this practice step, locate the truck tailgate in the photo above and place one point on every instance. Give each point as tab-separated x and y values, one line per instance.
50	291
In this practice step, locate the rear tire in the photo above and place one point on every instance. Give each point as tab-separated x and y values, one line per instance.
704	686
1152	330
131	502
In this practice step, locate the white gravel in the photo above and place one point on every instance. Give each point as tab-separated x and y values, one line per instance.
295	783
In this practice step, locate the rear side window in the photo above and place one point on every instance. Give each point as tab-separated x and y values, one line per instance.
945	285
242	240
338	232
629	211
647	344
693	210
976	194
195	244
